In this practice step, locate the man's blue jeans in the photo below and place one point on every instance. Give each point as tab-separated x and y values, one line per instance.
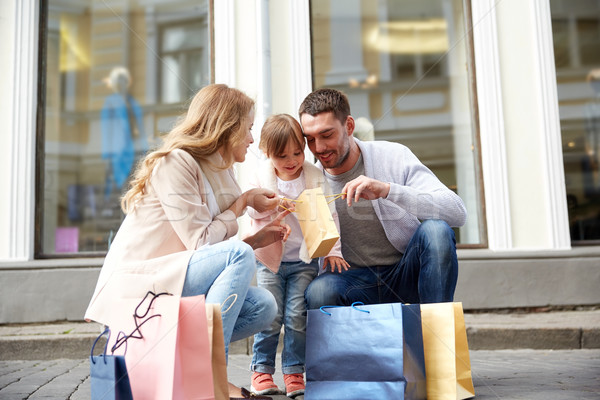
288	286
223	272
427	273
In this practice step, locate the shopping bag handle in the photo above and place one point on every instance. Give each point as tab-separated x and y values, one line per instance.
122	337
106	331
154	297
353	305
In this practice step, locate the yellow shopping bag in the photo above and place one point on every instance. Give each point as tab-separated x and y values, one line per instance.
316	222
447	362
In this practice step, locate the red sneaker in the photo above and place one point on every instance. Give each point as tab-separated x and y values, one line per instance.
263	384
294	384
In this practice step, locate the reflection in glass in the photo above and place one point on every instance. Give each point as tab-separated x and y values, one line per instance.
123	137
183	53
402	65
576	34
117	75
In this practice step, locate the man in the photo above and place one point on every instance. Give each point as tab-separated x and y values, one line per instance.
395	215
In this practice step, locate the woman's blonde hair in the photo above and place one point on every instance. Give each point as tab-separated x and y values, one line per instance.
216	119
277	131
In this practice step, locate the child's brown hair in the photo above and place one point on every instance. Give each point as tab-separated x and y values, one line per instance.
277	131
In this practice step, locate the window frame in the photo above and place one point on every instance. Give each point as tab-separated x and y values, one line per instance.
40	159
475	122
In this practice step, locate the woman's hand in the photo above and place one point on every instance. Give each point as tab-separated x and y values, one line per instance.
273	232
261	199
336	263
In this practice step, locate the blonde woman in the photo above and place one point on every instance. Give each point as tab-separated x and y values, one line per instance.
182	208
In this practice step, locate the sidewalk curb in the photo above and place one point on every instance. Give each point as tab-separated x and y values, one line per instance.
49	347
538	331
536	339
46	348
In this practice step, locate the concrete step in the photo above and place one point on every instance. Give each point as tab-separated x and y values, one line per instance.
485	331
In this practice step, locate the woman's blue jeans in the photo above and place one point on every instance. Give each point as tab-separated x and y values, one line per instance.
427	273
288	286
223	272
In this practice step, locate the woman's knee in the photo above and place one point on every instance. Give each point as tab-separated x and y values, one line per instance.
242	257
243	250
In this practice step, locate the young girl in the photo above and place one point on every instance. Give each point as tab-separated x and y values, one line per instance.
286	269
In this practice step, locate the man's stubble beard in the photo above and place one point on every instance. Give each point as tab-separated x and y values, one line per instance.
340	160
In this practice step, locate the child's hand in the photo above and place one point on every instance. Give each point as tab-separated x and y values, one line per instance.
336	263
285	204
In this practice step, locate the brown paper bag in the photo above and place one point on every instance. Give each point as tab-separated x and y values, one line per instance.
316	222
219	364
447	362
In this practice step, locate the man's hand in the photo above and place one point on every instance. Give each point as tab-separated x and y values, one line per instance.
364	188
262	199
274	231
337	263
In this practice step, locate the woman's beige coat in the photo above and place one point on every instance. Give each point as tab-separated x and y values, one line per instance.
179	214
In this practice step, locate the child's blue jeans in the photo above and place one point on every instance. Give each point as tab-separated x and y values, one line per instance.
287	286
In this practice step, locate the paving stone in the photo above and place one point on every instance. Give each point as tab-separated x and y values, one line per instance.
64	385
590	338
83	391
497	374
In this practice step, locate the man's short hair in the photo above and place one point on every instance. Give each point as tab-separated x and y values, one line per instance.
326	100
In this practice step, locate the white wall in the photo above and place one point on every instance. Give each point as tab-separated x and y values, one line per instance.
520	130
18	98
531	127
7	26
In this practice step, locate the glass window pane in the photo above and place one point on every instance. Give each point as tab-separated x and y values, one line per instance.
184	37
588	32
560	27
402	65
577	35
109	68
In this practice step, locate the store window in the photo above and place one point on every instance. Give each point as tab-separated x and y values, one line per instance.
405	67
576	34
117	74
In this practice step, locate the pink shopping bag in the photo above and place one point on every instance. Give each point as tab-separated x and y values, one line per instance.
166	347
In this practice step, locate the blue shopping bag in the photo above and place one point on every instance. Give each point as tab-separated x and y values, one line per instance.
108	375
365	352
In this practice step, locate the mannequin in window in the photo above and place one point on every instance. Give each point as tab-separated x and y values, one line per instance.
123	137
591	182
363	129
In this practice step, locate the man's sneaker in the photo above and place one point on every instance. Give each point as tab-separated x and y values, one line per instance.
294	384
263	384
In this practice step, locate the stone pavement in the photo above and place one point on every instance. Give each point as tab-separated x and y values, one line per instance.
551	355
497	374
